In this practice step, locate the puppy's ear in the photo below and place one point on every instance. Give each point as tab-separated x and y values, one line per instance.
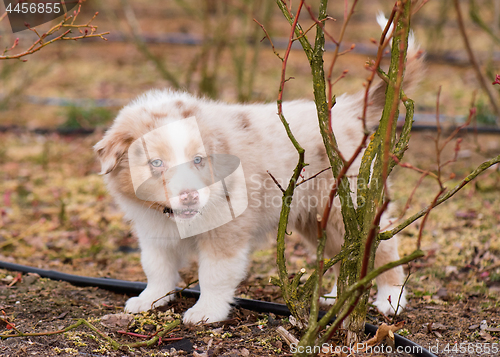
111	149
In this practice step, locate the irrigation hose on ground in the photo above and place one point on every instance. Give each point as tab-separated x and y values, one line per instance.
130	287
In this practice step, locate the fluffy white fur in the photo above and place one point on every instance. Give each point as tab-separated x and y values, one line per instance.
254	134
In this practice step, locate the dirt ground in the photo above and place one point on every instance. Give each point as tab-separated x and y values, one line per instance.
44	305
55	212
454	290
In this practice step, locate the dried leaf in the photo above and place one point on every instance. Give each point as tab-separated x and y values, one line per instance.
485	335
116	321
382	333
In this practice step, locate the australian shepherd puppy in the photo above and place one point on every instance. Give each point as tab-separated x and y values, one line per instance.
191	175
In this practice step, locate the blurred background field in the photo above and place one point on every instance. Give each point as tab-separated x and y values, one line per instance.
213	48
55	212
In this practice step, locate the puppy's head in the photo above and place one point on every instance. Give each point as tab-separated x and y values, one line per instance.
158	161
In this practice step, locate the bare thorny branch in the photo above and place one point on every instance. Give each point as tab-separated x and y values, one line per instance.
438	176
340	165
473	60
441	198
86	30
387	152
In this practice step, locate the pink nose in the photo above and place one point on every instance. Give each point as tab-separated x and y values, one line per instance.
189	198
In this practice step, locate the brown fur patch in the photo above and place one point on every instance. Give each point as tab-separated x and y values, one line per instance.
113	148
244	121
376	102
352	134
222	145
193	147
179	104
158	116
123	181
188	112
321	152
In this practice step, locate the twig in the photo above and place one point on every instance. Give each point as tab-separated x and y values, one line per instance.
481	168
173	291
116	345
276	181
421	230
39	44
134	28
9	324
361	284
473	59
414	168
284	282
269	38
439	149
312	26
401	293
313	176
372	234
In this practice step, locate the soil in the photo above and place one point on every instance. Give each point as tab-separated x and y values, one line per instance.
437	323
75	228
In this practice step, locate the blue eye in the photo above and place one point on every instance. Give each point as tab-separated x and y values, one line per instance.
157	163
197	160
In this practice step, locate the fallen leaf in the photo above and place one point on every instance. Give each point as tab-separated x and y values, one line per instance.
442	294
431	326
384	331
485	335
115	321
31	278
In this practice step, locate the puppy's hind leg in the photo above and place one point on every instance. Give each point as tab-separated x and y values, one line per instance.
161	265
222	266
329	299
390	283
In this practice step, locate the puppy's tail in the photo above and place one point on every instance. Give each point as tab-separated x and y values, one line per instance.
413	74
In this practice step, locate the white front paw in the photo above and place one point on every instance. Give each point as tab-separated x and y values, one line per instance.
207	313
146	302
382	302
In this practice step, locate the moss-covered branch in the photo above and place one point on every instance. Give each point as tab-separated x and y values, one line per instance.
345	301
290	294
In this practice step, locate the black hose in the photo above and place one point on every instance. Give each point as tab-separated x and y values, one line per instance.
131	287
120	286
